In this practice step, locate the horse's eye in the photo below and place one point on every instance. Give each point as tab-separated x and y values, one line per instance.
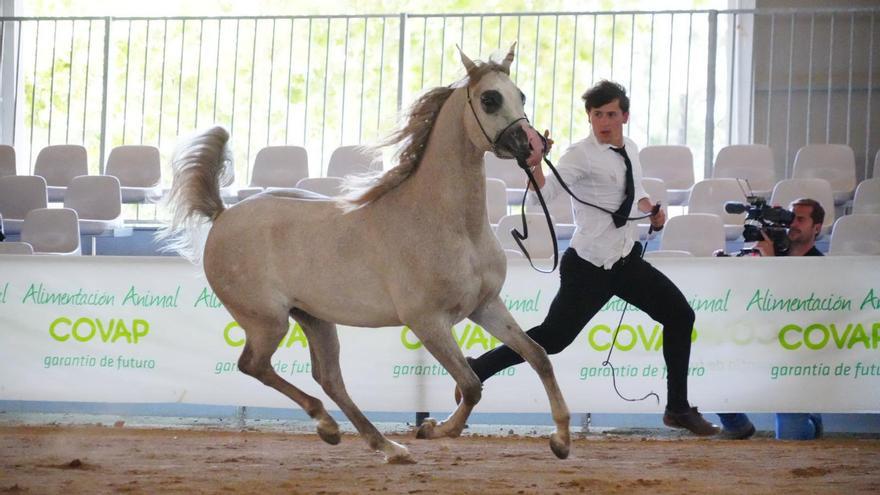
523	97
491	101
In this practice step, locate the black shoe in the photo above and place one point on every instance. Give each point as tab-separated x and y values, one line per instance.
690	420
743	433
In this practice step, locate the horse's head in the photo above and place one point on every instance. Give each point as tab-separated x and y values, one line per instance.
496	120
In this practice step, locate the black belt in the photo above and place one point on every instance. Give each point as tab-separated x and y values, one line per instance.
634	253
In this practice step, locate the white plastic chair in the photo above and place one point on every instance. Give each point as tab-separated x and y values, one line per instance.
876	174
507	170
672	163
52	231
668	253
59	164
7	160
835	163
20	194
97	200
856	235
700	234
752	162
788	190
867	197
656	190
561	212
139	171
277	167
709	196
16	248
496	200
328	186
538	244
348	160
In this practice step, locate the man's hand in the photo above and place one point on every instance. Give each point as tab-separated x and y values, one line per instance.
658	220
549	142
765	246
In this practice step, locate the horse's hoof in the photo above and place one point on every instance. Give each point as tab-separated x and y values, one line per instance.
400	459
328	430
426	431
330	436
397	454
559	447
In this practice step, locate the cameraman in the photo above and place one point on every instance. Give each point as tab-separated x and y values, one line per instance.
808	218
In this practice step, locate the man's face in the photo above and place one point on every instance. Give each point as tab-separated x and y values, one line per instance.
803	230
607	122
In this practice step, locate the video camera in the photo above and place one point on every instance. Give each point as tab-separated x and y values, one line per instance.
772	220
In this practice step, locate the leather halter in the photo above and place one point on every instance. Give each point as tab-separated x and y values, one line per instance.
492	142
521	161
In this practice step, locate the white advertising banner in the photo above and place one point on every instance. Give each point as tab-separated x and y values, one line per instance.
771	335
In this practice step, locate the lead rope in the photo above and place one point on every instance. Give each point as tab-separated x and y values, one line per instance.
519	237
607	361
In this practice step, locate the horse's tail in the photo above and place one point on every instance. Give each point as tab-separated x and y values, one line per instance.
200	164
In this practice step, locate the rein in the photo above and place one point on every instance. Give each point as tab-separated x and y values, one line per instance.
519	237
521	161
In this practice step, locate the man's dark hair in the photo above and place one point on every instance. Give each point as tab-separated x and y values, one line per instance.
817	214
603	93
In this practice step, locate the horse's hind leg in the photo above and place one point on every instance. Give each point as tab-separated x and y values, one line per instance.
495	318
324	345
263	337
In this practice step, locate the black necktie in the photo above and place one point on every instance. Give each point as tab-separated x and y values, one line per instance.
622	213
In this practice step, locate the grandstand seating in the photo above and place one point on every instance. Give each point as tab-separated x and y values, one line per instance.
348	160
20	194
59	164
7	160
277	167
672	163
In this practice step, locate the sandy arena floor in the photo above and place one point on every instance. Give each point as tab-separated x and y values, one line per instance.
93	459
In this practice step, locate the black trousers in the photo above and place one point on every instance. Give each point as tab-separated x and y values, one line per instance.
584	289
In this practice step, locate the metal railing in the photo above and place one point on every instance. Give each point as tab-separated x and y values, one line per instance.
701	78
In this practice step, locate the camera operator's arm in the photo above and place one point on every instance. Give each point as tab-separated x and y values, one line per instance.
658	220
765	246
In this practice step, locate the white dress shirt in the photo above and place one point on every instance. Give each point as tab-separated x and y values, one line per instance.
597	174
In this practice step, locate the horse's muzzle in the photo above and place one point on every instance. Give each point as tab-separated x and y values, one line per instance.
521	142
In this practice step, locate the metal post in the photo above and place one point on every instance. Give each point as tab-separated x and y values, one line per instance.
421	416
709	151
104	95
401	43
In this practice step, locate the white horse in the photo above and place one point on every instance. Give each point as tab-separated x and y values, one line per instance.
411	247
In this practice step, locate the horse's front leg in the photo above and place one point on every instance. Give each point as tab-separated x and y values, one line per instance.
497	320
437	339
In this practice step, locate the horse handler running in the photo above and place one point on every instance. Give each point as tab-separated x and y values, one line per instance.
604	260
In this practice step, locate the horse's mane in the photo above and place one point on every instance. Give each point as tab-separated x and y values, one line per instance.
411	139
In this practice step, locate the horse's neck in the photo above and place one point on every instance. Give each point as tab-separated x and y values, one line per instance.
453	166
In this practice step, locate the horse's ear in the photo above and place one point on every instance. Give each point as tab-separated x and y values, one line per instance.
469	64
509	58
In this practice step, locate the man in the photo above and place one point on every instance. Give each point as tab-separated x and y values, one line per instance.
803	232
604	258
